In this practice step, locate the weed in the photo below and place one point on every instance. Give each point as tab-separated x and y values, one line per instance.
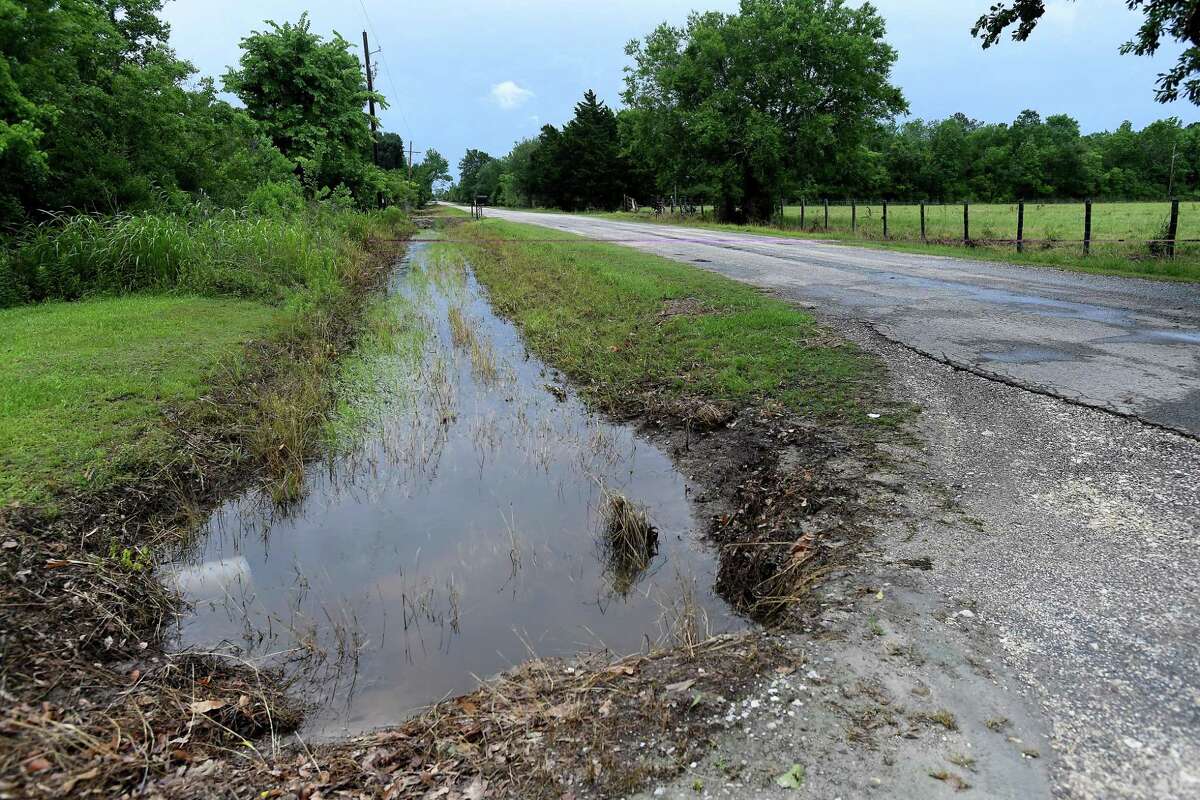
962	760
942	717
630	540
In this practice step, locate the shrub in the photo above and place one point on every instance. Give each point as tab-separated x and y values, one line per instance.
276	199
13	291
291	256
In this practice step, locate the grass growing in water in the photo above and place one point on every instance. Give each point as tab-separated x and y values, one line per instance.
605	315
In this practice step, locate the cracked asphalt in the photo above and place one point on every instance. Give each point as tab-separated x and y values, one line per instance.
1126	345
1058	623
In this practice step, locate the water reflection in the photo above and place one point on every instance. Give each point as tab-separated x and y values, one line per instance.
459	534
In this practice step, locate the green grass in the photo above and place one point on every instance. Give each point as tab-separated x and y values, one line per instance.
84	385
596	311
1138	221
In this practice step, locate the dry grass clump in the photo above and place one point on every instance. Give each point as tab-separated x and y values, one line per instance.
630	540
546	729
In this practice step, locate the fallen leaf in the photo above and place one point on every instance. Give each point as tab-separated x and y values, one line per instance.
205	706
477	790
792	779
682	686
563	710
36	765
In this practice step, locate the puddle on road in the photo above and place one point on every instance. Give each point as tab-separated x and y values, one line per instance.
1029	354
459	534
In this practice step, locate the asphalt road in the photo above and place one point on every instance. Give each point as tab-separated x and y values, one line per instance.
1124	345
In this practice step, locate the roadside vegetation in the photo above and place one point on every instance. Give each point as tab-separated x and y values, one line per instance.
636	331
179	282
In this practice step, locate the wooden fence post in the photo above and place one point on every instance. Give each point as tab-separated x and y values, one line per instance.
966	223
885	230
826	213
1173	229
853	217
922	220
1021	226
801	213
1087	227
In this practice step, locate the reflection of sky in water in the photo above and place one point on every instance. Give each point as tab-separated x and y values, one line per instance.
442	551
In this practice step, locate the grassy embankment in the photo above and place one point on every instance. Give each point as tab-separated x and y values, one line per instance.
634	330
163	361
91	389
1060	226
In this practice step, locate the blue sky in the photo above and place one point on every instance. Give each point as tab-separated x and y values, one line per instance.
469	73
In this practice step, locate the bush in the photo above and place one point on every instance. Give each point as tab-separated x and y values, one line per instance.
13	291
281	256
276	199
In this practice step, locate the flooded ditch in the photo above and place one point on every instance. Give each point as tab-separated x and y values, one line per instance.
462	526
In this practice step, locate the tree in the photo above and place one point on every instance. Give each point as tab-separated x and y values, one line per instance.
468	172
783	92
519	165
96	113
309	94
1175	19
391	152
592	168
433	170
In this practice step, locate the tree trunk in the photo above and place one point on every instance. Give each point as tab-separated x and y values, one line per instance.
728	211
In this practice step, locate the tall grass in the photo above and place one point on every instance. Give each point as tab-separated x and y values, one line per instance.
298	259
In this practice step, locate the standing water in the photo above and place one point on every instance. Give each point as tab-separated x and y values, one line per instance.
462	531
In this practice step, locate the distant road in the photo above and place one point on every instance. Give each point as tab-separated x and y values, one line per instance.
1126	345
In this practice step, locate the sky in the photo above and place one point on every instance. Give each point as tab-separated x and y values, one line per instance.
487	73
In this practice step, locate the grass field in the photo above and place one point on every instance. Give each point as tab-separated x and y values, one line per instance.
1060	222
619	322
83	385
1109	221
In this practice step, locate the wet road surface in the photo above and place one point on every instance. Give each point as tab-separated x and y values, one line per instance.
1124	345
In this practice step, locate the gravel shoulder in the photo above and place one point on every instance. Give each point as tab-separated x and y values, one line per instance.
1036	577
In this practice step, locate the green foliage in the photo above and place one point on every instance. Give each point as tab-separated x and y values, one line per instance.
579	167
1175	19
427	175
96	113
299	259
963	159
116	364
276	199
595	311
390	148
308	95
750	103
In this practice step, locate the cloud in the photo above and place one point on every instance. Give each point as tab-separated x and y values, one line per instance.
508	95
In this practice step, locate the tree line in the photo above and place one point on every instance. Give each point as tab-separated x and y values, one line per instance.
97	113
791	99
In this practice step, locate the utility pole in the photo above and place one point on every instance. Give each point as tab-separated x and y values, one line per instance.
371	101
410	158
1171	179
